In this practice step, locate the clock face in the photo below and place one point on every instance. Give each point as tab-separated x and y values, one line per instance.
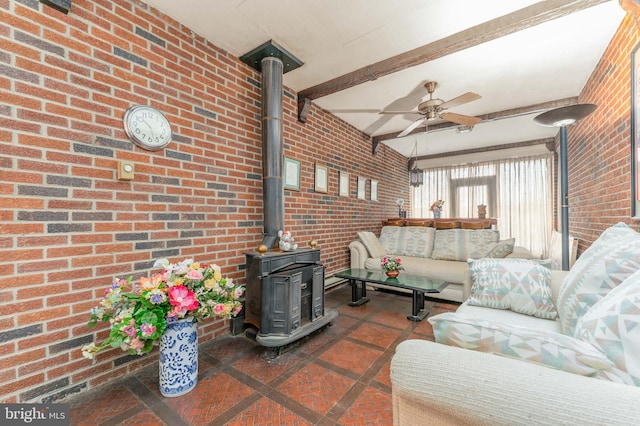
147	127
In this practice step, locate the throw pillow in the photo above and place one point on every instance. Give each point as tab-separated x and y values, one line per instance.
611	259
462	244
540	347
503	249
519	285
416	241
372	244
613	326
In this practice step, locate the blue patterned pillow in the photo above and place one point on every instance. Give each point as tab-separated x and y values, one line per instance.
611	259
520	285
613	326
463	244
528	344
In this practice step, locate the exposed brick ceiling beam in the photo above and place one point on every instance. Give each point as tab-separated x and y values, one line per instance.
519	20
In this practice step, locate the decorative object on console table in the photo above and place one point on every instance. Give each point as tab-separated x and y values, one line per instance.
285	296
436	208
179	358
482	211
399	203
393	274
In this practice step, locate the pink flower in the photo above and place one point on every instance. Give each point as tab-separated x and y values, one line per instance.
182	298
136	344
219	308
194	275
147	329
238	292
130	330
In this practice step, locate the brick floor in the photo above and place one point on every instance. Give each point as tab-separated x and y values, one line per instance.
337	376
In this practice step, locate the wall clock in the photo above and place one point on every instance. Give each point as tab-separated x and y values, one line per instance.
147	127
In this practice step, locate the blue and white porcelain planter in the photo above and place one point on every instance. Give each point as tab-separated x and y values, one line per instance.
179	358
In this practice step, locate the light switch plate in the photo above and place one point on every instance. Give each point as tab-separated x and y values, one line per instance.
125	170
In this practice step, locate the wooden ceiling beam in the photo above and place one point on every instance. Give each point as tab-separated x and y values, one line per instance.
548	142
485	118
524	18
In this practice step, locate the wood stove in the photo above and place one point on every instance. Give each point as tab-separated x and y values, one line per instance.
284	295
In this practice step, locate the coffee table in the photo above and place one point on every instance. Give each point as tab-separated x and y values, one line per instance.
358	278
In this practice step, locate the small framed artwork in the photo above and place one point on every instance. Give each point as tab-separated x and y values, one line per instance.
362	188
635	132
291	174
322	178
344	184
374	190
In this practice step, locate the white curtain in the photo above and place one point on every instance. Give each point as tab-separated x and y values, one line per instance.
517	192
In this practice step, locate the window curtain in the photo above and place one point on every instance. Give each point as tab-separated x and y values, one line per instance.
517	192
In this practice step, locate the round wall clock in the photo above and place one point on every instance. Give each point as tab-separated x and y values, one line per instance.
147	127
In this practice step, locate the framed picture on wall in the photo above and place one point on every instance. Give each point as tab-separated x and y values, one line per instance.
374	190
322	178
635	132
344	184
362	188
291	174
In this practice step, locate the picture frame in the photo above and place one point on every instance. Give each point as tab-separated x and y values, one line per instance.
362	188
635	132
291	174
344	184
322	178
374	190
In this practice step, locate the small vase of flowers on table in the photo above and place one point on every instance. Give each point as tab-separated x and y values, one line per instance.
436	208
391	266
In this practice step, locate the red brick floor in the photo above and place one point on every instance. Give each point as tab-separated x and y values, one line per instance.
336	376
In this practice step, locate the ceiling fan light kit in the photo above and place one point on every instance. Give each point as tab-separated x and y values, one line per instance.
433	109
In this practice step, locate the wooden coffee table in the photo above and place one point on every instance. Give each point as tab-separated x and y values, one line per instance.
419	285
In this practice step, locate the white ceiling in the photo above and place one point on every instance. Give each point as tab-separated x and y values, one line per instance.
540	64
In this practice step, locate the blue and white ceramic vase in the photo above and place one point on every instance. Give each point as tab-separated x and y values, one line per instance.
436	215
179	358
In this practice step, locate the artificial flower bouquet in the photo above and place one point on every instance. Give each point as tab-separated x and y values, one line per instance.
391	263
437	206
139	311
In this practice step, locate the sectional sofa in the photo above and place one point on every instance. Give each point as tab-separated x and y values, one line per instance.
532	346
436	253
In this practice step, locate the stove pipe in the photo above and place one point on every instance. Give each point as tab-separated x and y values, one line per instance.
272	149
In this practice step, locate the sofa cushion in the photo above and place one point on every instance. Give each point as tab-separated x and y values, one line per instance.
520	285
463	244
414	241
503	249
528	344
613	326
371	243
612	258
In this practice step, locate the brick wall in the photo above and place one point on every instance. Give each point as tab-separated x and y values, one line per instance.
68	226
599	147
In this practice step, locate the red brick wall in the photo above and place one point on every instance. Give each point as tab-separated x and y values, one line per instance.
600	146
68	226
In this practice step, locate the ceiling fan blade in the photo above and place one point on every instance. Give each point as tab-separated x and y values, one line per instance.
399	112
462	99
460	119
409	129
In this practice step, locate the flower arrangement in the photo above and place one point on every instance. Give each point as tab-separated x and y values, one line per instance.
436	206
140	311
391	263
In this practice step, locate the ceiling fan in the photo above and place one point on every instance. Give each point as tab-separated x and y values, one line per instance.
432	109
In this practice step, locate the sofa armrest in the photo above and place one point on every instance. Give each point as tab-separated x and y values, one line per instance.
450	385
359	254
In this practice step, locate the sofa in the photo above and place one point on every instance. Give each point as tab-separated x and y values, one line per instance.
440	254
532	346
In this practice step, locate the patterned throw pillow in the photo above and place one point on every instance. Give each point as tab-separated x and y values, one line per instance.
539	347
462	244
520	285
414	241
613	326
611	259
372	244
503	249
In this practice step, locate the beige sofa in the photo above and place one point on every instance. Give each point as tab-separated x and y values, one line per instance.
504	367
439	254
